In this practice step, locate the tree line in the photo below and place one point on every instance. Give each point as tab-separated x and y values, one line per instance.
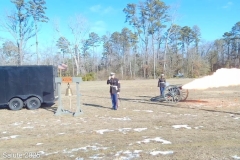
152	44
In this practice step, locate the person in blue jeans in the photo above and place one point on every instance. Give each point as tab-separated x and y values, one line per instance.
162	85
114	90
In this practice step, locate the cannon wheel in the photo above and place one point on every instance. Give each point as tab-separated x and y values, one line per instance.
172	98
183	94
178	94
172	94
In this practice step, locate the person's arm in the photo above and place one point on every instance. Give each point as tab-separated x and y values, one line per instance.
108	81
119	86
158	82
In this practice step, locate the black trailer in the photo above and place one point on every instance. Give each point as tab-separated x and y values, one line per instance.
27	85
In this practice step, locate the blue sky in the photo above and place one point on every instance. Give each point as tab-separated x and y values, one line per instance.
213	17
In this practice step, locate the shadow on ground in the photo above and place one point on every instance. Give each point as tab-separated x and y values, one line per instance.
95	105
4	107
48	107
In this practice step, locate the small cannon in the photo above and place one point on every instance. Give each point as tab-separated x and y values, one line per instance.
175	93
172	94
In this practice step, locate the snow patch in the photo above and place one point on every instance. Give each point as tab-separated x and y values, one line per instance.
85	149
16	123
13	136
39	144
139	129
123	119
127	155
157	139
235	157
28	127
41	152
198	127
124	130
181	126
154	153
97	156
103	130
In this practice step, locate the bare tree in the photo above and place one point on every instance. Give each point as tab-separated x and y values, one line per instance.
79	28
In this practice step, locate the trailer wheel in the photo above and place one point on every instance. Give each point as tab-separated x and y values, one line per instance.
33	103
15	104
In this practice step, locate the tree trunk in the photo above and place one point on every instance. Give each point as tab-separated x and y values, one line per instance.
36	42
130	69
154	60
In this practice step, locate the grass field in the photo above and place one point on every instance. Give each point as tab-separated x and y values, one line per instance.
205	126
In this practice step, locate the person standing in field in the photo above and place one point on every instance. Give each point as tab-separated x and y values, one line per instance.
114	90
162	85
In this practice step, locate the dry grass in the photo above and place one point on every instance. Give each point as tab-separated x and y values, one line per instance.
213	116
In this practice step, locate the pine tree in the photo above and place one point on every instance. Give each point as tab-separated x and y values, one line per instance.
36	9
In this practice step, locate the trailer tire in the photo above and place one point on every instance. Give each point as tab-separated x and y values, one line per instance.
33	103
15	104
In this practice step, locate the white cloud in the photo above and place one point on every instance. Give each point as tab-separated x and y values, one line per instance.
99	27
228	5
102	10
108	10
95	8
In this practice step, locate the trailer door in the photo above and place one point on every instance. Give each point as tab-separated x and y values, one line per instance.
2	86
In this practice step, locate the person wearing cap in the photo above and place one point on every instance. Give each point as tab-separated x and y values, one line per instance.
114	90
162	85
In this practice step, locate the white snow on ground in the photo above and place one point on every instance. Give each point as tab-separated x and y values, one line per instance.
4	132
123	119
47	154
139	129
28	127
127	155
235	157
198	127
157	139
97	156
39	144
61	133
13	136
154	153
41	152
103	130
236	118
124	130
181	126
85	149
17	123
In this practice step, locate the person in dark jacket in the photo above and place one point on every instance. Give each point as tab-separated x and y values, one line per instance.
162	85
114	90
